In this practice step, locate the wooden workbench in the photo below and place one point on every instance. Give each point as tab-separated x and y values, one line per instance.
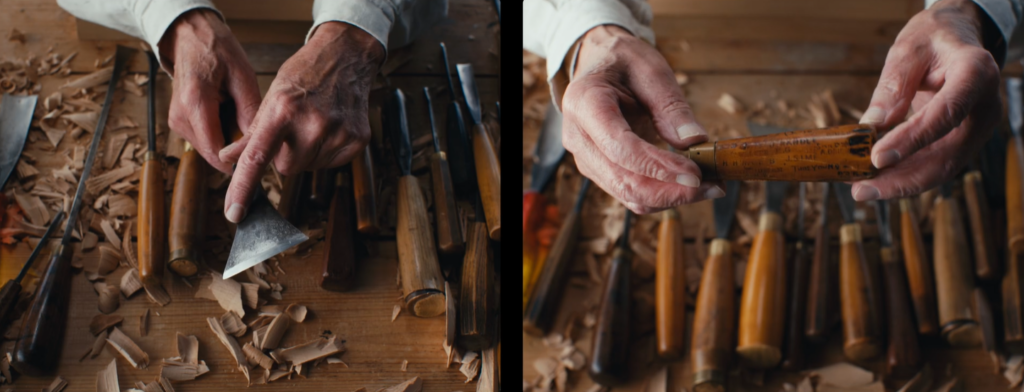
375	346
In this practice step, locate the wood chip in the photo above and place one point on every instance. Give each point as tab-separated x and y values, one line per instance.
57	385
101	322
229	342
144	323
471	366
157	294
187	348
488	378
395	312
275	331
250	295
309	351
97	345
297	312
25	170
129	247
90	240
1014	372
97	184
109	259
113	150
227	292
91	80
106	379
730	104
110	234
844	375
54	135
124	345
414	384
181	371
85	120
34	208
16	36
110	298
405	365
121	122
257	357
130	282
233	324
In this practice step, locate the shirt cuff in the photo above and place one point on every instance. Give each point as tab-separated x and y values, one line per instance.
157	16
1002	15
367	15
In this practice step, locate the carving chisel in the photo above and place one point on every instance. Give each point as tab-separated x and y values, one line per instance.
9	293
859	293
459	151
794	352
763	300
488	171
151	199
422	282
187	211
822	300
449	227
476	330
920	279
670	287
339	258
954	280
1012	290
904	356
611	333
42	335
714	316
364	188
546	158
986	264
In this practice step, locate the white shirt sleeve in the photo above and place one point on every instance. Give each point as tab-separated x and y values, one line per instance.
1007	15
395	23
552	27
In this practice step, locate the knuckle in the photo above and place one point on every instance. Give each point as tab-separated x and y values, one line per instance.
256	157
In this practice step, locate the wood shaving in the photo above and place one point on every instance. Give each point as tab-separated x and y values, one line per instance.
414	384
106	379
97	345
233	324
449	324
90	240
395	312
84	120
844	375
730	104
306	352
250	295
1014	372
113	150
16	36
173	370
187	348
109	259
275	331
488	379
25	170
110	234
405	365
95	185
229	343
228	293
471	366
110	298
91	80
34	208
805	385
54	135
255	357
157	294
296	312
144	323
128	247
101	322
130	283
124	345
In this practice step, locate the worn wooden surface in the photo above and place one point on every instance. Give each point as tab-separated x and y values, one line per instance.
375	346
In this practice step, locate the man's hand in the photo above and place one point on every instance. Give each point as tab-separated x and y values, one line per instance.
314	115
937	66
209	69
622	83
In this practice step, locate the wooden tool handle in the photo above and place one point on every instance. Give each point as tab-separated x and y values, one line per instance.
488	176
1013	299
670	287
533	207
986	321
841	153
904	356
794	353
533	212
986	264
954	280
151	222
449	228
714	319
321	185
611	333
339	259
288	203
417	258
8	297
763	301
365	191
476	331
821	288
920	279
187	213
1014	196
42	332
551	274
858	294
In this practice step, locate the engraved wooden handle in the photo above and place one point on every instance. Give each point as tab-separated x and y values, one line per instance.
187	213
821	289
670	287
550	281
794	353
488	177
364	188
417	258
714	319
904	355
841	153
954	280
763	301
339	259
449	228
858	294
986	264
920	279
151	222
611	333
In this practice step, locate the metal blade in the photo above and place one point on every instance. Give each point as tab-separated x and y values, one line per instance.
725	208
15	118
260	235
774	194
151	103
42	243
469	90
396	127
761	130
624	238
845	198
430	114
884	230
549	150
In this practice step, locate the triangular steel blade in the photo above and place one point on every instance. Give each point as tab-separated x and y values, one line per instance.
262	234
15	118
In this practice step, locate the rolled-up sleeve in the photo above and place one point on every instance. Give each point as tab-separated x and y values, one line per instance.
394	23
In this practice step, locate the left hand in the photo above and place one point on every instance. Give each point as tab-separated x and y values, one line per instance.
314	114
937	66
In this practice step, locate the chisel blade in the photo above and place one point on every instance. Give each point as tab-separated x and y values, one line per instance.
15	118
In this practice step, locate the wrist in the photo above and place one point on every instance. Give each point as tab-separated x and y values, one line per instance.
350	38
590	44
184	29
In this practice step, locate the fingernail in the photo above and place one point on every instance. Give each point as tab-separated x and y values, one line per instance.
866	193
235	213
689	130
886	158
714	192
689	180
873	116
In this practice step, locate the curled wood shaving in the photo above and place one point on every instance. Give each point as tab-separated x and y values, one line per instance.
228	293
123	344
110	234
91	80
130	282
157	294
128	247
96	184
229	342
122	205
97	346
307	352
109	259
182	371
257	357
110	298
106	379
113	150
471	366
297	312
84	120
275	331
233	324
101	322
34	208
730	104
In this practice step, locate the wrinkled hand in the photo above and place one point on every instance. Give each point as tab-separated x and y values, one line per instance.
313	116
937	66
622	83
210	69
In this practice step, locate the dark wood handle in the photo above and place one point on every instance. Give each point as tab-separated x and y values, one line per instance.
821	289
8	297
339	259
1014	196
954	280
670	287
417	258
904	356
42	332
714	318
920	279
611	333
321	185
794	352
550	283
763	301
476	331
459	150
1013	299
365	191
858	294
449	228
488	176
187	212
841	153
986	264
151	226
290	196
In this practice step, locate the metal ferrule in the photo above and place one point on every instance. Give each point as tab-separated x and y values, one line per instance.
709	375
704	156
150	155
188	147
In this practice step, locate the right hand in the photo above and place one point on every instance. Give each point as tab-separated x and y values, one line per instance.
210	69
622	82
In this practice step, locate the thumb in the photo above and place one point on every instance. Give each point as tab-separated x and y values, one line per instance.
672	114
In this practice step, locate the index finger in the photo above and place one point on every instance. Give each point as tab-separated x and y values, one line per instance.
262	146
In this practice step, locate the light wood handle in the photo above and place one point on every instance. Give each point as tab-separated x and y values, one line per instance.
476	331
986	264
904	356
151	222
797	298
187	212
339	264
920	279
550	282
858	295
421	274
449	228
611	333
714	319
488	177
954	280
763	301
365	192
670	287
1013	299
822	298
